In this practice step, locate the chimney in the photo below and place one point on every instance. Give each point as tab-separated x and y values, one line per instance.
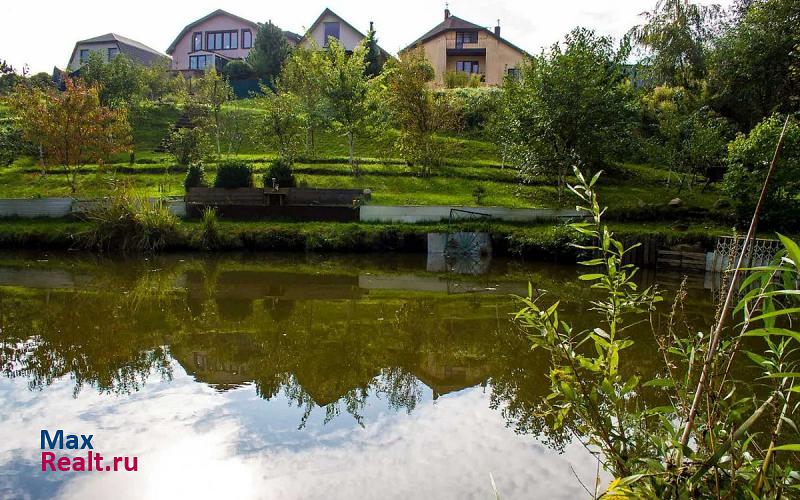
497	29
371	26
446	11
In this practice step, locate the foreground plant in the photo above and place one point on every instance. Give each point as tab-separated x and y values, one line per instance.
737	435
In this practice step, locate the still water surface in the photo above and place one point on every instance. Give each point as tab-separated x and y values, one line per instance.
286	376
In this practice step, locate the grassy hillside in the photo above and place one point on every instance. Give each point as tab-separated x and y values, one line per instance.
469	163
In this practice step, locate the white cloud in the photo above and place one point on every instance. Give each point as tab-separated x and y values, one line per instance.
193	442
42	34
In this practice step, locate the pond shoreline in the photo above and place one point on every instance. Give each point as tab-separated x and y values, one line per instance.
530	241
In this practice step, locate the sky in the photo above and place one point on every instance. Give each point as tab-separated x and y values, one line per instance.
529	24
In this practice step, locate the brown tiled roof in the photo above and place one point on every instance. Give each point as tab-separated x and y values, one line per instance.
455	23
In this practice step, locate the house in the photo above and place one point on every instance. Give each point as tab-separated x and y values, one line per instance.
108	46
328	25
213	40
459	45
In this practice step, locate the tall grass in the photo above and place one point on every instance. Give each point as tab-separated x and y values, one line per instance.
129	223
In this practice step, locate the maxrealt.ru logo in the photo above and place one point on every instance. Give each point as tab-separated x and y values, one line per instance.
92	461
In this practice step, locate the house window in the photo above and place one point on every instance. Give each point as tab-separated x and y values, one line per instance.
84	56
247	39
112	53
197	42
463	37
199	62
222	40
467	66
513	73
331	30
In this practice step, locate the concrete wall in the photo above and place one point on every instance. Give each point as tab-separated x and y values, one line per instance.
36	207
414	214
63	207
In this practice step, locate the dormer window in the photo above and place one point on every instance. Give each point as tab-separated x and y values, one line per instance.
463	37
331	30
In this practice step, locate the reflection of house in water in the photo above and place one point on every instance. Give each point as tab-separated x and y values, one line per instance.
222	375
444	377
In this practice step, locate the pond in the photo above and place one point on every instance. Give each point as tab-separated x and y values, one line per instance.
289	376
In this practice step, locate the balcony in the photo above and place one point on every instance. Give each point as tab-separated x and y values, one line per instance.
455	48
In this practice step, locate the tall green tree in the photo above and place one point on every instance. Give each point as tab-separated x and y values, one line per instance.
345	90
414	109
304	77
270	50
676	34
211	92
569	107
372	53
121	81
755	67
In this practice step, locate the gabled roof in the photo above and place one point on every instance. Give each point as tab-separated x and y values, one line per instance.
292	37
136	51
328	11
455	23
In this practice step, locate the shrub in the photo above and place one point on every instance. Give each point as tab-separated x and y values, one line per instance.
210	237
749	157
129	223
238	70
234	174
478	194
195	177
281	171
188	146
12	144
474	107
459	79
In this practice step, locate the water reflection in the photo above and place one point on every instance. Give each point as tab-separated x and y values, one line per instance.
274	368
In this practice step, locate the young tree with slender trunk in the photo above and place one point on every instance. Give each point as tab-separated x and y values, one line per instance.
72	126
304	77
212	92
346	88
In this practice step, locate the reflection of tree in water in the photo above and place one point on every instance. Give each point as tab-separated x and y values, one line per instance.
320	342
45	342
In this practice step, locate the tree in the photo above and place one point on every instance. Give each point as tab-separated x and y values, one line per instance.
120	81
568	108
415	109
189	146
281	126
687	137
372	54
676	33
346	87
212	92
270	50
755	67
73	127
238	70
748	160
304	76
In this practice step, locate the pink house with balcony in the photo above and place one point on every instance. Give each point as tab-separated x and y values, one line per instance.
213	40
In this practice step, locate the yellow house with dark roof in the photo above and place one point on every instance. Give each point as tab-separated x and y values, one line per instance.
462	46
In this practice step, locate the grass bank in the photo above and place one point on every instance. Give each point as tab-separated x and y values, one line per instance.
530	241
